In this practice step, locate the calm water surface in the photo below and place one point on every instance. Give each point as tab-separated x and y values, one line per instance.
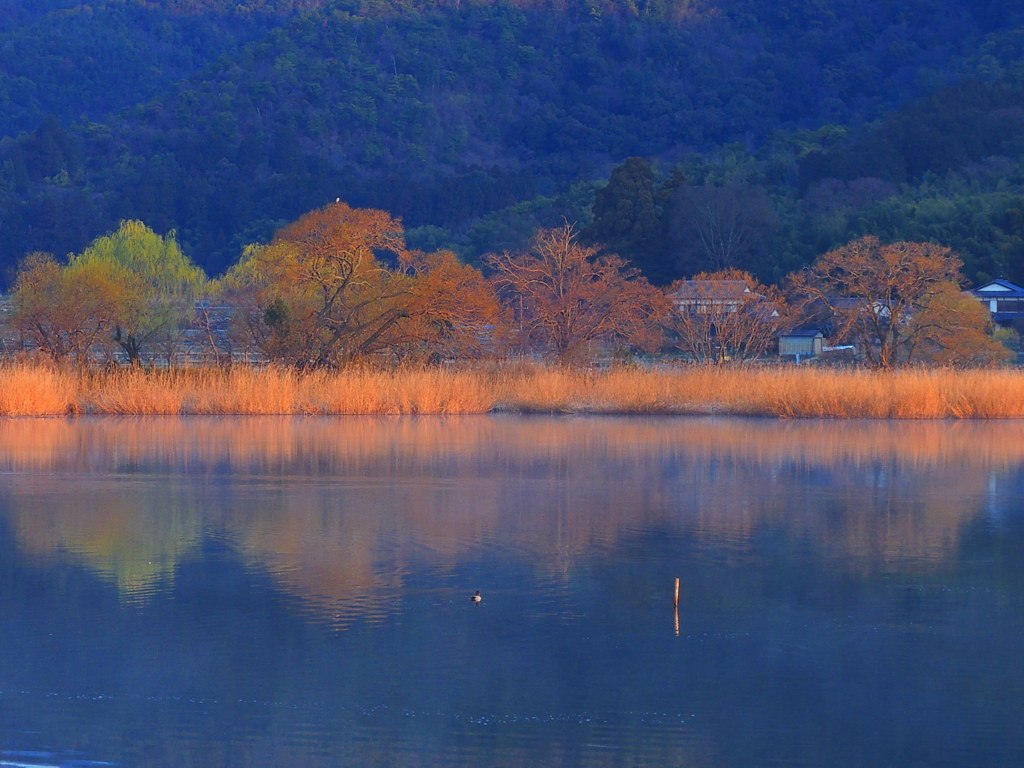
295	592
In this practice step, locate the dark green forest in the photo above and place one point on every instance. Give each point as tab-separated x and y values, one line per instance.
685	134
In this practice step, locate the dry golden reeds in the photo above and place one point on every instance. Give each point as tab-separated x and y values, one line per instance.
781	392
35	390
42	390
404	391
268	391
131	391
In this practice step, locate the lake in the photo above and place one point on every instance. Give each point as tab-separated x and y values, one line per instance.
296	592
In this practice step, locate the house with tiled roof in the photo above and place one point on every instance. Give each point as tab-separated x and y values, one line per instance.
1005	300
711	297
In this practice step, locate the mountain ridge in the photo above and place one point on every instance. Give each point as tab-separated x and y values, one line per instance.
444	113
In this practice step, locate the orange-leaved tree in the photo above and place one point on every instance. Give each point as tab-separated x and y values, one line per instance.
566	298
956	329
453	310
895	302
70	312
339	284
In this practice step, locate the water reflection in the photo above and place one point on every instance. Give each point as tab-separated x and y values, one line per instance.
311	446
262	591
317	486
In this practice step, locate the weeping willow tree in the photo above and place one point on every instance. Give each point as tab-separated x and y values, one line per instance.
166	281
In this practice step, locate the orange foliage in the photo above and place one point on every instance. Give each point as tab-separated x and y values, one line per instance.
71	312
897	302
566	297
339	284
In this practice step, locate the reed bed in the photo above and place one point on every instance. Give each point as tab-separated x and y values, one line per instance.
44	390
130	392
245	391
35	390
408	391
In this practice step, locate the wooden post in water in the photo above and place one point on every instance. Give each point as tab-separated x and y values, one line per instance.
677	606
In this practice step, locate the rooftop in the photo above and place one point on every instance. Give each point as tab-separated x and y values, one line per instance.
711	289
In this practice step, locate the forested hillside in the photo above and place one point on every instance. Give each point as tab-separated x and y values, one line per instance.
477	121
84	62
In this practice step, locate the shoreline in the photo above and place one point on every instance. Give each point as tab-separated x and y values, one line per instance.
32	389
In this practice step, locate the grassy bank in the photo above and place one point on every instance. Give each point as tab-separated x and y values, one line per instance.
39	390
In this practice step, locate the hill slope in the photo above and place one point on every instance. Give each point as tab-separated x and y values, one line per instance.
438	112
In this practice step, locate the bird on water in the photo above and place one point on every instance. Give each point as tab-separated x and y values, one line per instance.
477	598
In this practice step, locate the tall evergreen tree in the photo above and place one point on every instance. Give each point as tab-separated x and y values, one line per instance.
627	219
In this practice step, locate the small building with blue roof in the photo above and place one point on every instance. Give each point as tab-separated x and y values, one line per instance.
1005	300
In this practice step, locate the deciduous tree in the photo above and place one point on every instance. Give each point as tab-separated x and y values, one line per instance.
69	312
897	302
725	315
454	311
339	284
168	279
343	295
954	328
566	298
714	228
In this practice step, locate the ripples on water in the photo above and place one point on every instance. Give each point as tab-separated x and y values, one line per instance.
296	592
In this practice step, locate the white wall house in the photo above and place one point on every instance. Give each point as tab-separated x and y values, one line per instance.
711	297
1003	299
